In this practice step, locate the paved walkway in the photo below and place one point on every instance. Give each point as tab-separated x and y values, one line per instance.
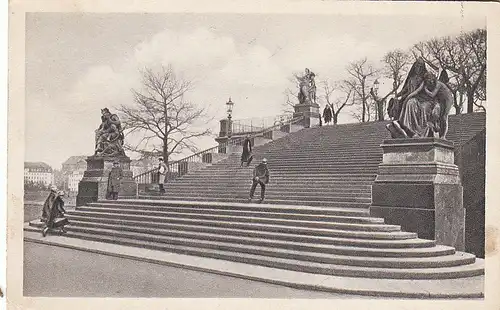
60	272
472	287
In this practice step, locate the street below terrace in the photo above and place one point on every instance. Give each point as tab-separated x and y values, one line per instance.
53	271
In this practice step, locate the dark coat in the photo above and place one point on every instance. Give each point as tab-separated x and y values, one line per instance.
247	150
47	205
261	172
55	210
327	114
114	180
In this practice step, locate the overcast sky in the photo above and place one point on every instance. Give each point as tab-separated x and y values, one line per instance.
77	64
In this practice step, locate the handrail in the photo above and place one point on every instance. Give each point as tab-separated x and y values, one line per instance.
149	176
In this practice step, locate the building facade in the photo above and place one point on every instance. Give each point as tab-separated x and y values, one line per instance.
38	173
72	170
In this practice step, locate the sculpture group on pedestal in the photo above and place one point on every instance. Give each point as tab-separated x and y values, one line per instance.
421	108
109	136
307	88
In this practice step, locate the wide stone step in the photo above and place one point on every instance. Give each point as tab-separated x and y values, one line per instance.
281	187
316	203
243	194
284	263
287	170
187	212
288	175
295	250
325	183
346	246
213	219
369	247
203	225
243	191
233	206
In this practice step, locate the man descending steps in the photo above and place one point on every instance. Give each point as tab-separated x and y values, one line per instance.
260	176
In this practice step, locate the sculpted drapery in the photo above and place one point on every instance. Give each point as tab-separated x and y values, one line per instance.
424	104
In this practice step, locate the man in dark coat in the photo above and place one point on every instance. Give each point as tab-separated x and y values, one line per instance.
54	213
260	176
327	114
114	181
246	156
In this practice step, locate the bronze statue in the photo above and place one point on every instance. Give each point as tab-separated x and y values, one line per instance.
109	136
421	108
307	87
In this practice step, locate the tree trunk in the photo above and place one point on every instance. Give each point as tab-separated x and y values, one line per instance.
335	117
380	107
165	151
470	101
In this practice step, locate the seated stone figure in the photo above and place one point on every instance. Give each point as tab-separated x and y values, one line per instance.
418	112
443	103
109	135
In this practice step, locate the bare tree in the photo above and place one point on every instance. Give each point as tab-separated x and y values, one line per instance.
336	104
360	72
464	58
290	95
162	115
395	67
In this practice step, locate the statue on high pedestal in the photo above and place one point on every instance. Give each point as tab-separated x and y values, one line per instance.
421	109
109	136
307	87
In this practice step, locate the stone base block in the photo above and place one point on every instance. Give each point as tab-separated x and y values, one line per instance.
418	187
420	221
94	185
310	112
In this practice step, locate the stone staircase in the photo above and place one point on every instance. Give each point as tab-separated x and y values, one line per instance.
315	218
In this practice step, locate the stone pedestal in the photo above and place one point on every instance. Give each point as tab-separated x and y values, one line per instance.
94	183
310	111
418	187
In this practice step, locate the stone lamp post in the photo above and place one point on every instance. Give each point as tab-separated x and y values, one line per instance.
229	105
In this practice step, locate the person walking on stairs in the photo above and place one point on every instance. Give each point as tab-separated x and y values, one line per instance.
162	172
246	156
260	176
114	181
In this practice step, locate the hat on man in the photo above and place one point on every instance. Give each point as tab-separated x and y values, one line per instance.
264	161
53	188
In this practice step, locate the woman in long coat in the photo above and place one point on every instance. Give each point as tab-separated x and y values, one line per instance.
54	212
246	156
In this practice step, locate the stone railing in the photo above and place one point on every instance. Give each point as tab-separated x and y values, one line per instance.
180	167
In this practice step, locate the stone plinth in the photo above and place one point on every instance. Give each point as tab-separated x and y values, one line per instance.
94	183
418	187
310	111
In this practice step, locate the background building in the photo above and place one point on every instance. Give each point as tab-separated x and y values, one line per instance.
38	173
72	171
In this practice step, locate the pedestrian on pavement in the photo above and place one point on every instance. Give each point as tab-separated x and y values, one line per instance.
260	176
162	172
246	156
114	181
55	212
